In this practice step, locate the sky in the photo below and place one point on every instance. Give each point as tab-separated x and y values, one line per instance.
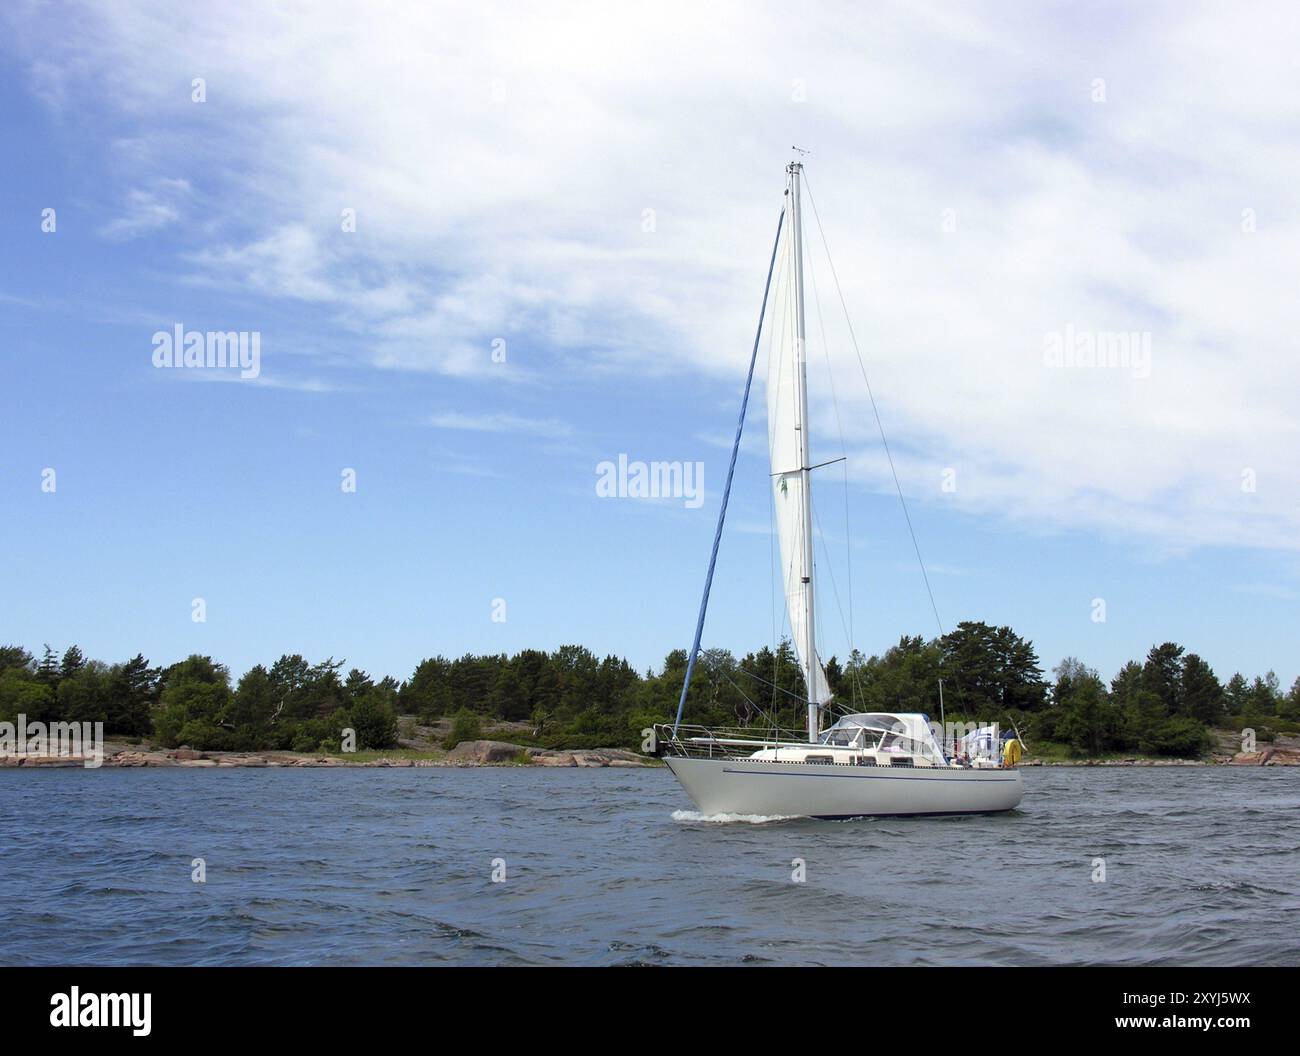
486	249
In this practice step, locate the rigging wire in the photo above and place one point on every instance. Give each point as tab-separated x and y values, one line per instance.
835	589
925	576
844	452
780	689
726	491
898	487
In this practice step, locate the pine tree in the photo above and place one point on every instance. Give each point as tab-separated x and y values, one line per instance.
1162	676
1289	708
73	661
15	657
47	670
1235	694
132	693
1202	695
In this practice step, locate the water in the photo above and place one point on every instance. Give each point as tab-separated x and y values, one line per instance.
611	867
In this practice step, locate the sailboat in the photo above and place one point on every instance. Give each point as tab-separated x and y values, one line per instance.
865	763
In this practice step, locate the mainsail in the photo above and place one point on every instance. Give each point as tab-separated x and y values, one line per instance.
787	409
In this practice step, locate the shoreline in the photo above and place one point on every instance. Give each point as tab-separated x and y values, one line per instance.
480	753
465	754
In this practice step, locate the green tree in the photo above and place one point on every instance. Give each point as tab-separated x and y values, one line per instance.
82	695
251	712
374	721
358	684
904	678
1088	720
195	695
1235	694
1141	710
370	710
428	691
1202	694
1180	735
47	670
990	670
1289	708
16	657
73	661
22	694
132	692
1162	676
1264	696
465	726
508	698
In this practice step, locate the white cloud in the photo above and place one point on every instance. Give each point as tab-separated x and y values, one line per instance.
501	162
500	422
148	209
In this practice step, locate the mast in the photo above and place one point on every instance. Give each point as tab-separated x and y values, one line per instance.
795	169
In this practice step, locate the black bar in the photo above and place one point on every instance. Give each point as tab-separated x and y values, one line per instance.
965	1005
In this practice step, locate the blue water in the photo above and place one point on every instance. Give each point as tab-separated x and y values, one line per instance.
610	867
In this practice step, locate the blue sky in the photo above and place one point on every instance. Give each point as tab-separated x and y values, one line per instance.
557	183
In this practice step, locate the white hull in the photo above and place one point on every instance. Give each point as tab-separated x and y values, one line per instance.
759	787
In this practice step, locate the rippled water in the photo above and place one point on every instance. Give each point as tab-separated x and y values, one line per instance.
611	867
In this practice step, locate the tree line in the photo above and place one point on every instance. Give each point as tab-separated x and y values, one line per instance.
572	698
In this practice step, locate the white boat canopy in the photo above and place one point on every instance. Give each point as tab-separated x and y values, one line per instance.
906	733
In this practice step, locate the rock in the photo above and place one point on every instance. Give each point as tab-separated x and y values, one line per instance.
241	760
1268	757
622	755
554	758
197	762
483	753
185	753
134	758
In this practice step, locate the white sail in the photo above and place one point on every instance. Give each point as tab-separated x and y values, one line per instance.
787	446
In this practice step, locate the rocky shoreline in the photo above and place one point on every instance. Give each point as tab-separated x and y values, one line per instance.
467	753
1267	757
1225	750
506	753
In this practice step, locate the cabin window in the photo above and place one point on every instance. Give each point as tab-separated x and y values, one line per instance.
901	760
844	738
